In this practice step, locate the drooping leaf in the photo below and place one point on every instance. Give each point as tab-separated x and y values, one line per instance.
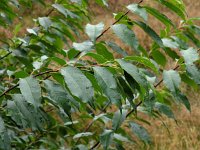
84	134
78	84
108	84
143	60
102	50
126	35
175	8
93	31
150	32
84	46
31	90
140	132
5	141
134	72
64	11
190	55
45	22
172	80
164	109
193	72
135	8
163	18
116	48
159	57
97	57
106	138
118	119
167	42
60	97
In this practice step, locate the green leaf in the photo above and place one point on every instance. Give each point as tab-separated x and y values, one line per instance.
31	90
106	138
5	142
84	46
64	11
163	18
193	72
140	132
60	97
150	32
108	84
121	138
135	8
26	115
183	99
167	42
164	109
134	72
143	60
102	50
45	22
99	58
116	48
118	119
126	35
172	80
84	134
159	57
78	84
190	55
174	8
93	31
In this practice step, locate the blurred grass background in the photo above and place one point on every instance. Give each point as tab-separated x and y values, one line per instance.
185	135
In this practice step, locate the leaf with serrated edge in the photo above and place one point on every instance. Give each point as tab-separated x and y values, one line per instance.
78	84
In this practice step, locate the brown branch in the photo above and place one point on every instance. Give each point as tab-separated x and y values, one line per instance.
39	74
5	55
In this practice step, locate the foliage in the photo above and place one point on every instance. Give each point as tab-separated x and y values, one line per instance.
59	93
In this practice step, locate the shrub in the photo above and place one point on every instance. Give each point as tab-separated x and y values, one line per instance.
59	93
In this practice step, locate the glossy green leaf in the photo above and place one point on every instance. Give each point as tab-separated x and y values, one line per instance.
164	109
78	84
64	11
5	141
31	90
84	134
116	48
140	132
45	22
118	119
99	58
143	60
60	97
126	35
134	72
84	46
163	18
174	8
108	84
102	50
150	32
106	138
190	55
172	80
135	8
159	57
93	31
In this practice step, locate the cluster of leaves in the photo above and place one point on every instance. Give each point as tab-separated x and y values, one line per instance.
58	93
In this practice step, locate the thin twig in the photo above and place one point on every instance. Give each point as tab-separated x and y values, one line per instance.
5	55
39	74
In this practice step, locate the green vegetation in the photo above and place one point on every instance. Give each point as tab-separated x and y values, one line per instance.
62	85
